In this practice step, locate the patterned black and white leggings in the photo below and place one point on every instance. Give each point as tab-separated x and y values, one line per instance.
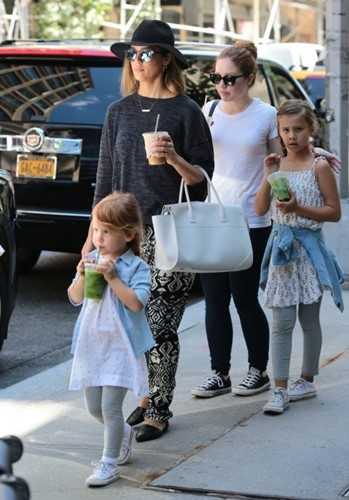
169	293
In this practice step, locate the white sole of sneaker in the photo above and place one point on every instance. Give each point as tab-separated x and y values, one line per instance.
99	483
240	391
275	411
304	396
210	394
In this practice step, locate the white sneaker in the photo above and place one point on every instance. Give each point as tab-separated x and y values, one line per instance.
278	402
103	474
126	445
301	389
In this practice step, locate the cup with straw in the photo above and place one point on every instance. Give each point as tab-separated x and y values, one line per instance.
94	280
149	138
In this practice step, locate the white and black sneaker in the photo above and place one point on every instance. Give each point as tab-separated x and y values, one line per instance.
213	386
254	383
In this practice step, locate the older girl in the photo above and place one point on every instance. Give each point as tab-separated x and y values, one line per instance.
297	266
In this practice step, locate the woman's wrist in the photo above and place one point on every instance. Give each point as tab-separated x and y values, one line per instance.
175	161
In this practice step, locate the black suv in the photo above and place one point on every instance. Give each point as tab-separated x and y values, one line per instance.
7	252
53	102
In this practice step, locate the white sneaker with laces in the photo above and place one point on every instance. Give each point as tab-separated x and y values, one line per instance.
126	445
103	474
301	389
278	402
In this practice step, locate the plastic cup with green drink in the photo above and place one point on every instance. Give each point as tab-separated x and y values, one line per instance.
94	282
279	185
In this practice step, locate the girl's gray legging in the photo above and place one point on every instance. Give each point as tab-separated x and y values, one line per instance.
284	320
105	404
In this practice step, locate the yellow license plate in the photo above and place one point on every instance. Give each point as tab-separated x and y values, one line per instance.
37	167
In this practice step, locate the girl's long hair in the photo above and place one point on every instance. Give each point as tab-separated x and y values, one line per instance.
121	212
172	77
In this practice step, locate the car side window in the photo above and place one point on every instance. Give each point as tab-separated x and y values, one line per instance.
197	82
283	86
260	87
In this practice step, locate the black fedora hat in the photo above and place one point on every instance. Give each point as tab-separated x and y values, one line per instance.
155	33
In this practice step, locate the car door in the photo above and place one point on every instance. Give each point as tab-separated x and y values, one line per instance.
261	89
282	85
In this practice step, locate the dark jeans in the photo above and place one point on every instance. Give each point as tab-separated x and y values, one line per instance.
243	287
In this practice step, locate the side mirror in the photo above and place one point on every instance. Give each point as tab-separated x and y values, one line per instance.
322	110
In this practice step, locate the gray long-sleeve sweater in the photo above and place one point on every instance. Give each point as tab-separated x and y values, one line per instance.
123	164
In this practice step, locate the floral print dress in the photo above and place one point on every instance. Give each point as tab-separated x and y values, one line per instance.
296	282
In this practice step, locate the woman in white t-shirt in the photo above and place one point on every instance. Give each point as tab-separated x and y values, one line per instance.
244	131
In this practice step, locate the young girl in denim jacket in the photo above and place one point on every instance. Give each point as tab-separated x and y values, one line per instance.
112	334
297	266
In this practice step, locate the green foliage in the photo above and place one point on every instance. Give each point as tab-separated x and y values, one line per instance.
70	18
148	11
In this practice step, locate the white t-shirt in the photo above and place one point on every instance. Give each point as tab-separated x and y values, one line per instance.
240	144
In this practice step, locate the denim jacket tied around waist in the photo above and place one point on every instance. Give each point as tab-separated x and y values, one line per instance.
280	250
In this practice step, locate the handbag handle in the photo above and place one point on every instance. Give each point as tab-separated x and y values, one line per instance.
210	185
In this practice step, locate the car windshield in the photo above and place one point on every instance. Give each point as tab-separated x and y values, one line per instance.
315	87
57	92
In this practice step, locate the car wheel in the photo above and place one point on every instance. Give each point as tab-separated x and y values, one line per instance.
26	259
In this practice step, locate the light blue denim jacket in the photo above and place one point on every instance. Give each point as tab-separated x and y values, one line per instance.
135	273
281	250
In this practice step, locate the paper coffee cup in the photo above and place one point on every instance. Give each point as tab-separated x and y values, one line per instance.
279	185
94	282
150	137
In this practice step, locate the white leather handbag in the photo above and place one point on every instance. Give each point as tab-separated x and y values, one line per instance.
202	237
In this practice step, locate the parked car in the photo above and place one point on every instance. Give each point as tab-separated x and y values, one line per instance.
313	82
8	252
54	97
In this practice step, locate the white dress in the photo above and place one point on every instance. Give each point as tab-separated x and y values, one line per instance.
296	282
102	352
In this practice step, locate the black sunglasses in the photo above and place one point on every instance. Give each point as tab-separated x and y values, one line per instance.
227	79
144	56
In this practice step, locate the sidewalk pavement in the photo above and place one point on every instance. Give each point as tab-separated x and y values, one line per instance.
222	447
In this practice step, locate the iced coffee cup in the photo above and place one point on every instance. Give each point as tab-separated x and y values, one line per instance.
94	282
279	185
150	137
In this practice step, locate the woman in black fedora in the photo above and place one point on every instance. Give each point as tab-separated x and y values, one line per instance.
152	85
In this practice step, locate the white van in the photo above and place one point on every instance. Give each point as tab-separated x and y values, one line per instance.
293	56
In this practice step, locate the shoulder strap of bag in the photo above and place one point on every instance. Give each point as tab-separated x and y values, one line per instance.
211	111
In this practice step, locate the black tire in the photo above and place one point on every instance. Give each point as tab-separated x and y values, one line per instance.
26	259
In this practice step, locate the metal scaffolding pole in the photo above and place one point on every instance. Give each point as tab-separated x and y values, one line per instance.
15	24
256	20
222	15
127	21
273	22
338	83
